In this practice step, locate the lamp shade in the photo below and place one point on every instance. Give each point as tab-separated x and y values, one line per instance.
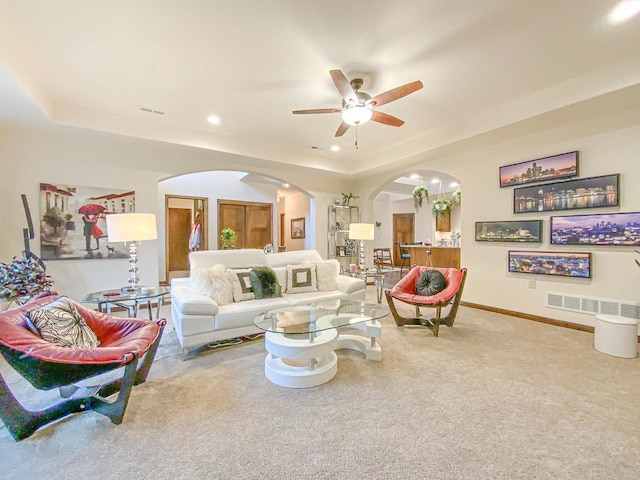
357	115
130	227
361	231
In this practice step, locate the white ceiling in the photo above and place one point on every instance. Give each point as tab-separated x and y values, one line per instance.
484	64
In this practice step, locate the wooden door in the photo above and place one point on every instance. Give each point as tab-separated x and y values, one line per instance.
179	230
231	215
403	231
443	221
258	226
252	222
281	229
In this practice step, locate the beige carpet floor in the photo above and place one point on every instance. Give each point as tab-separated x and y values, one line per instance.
494	397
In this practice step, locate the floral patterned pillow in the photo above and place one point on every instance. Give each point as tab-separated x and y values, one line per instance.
59	322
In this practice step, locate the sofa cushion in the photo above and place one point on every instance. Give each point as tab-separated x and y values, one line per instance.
188	302
232	258
265	283
293	257
430	282
281	273
213	282
242	288
60	322
327	273
302	278
243	314
309	297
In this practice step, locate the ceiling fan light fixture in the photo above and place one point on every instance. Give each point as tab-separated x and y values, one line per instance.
357	114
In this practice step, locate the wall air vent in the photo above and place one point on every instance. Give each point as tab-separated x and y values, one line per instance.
151	110
593	305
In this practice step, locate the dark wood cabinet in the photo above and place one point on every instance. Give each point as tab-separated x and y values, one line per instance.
443	221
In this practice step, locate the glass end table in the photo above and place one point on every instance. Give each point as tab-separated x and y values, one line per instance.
378	279
130	301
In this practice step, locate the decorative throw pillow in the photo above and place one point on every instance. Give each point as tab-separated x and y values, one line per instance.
327	273
265	283
302	278
242	288
213	282
59	322
430	282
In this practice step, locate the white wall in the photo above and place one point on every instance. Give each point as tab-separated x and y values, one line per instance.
297	205
65	155
608	143
213	185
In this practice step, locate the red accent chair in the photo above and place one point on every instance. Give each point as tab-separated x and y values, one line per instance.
404	291
46	365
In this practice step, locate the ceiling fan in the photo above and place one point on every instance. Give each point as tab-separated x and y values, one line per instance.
359	107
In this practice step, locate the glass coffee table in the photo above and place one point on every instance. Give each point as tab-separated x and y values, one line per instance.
301	339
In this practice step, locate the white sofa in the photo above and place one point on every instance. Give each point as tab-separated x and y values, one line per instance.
198	319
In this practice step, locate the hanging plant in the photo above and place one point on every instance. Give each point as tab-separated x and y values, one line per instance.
420	195
457	196
441	206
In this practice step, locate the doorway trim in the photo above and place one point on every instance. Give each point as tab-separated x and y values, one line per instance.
205	231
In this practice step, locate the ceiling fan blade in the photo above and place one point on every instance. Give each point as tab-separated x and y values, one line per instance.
396	93
319	110
386	119
342	129
343	85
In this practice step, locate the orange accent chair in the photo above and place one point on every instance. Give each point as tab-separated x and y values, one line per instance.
404	291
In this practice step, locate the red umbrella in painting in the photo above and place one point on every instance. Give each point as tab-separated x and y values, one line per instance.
91	209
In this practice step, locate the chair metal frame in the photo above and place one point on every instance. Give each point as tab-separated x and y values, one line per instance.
435	301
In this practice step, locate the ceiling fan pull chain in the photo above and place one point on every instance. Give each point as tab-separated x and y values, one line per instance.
356	137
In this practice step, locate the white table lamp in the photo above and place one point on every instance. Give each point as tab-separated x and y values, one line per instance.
132	228
362	232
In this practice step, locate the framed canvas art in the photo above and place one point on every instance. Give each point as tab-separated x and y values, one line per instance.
297	228
563	165
526	231
608	229
563	264
593	192
73	225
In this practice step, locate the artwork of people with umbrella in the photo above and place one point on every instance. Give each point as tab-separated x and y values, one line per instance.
73	221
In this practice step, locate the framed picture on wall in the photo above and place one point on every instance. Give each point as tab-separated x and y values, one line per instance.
73	222
526	231
593	192
609	229
563	165
297	227
563	264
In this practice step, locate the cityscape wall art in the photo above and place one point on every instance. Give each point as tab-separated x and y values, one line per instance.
609	229
563	264
526	231
593	192
563	165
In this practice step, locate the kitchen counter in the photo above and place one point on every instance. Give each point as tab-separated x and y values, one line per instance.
443	257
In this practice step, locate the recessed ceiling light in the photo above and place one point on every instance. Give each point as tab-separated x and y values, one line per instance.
285	185
453	184
213	119
415	176
435	180
335	148
624	11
